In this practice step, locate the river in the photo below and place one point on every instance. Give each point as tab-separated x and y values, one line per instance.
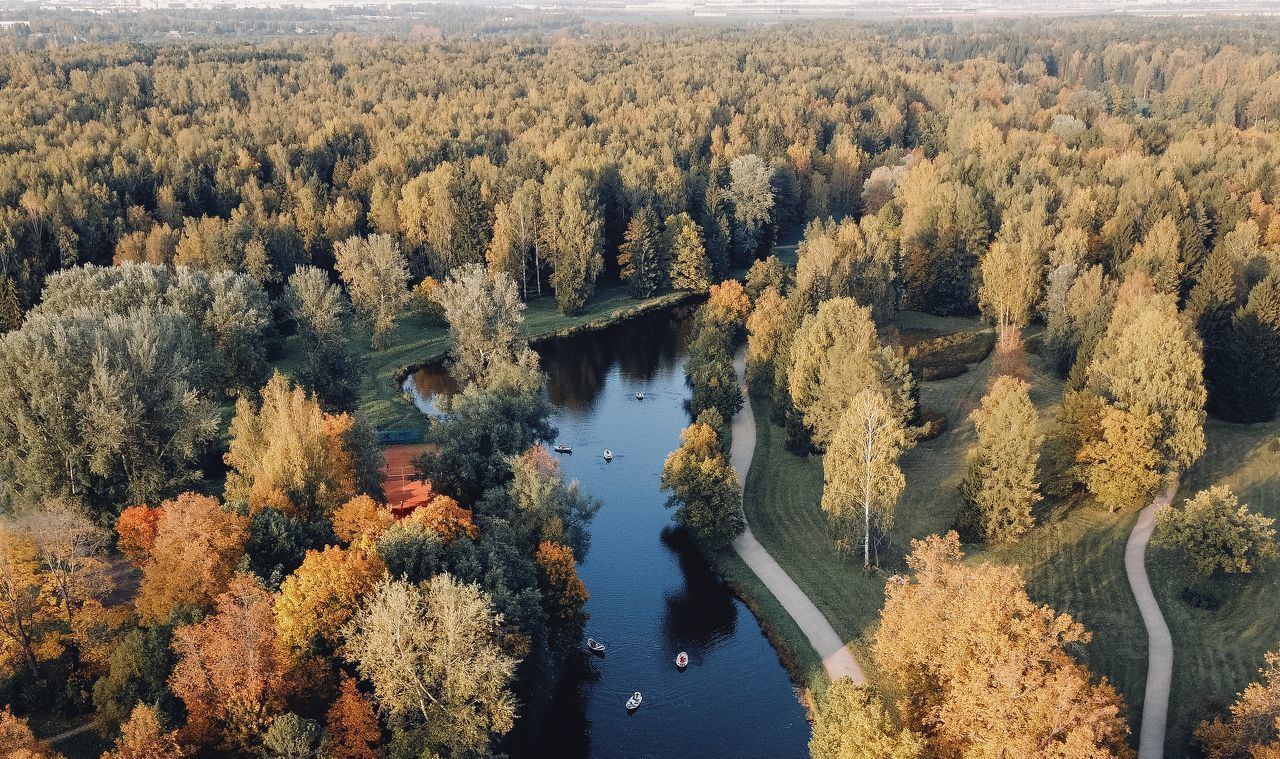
652	594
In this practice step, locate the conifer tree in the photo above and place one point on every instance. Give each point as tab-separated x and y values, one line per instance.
718	229
1247	387
641	256
10	309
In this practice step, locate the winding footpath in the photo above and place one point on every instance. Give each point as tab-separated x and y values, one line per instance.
1155	705
836	658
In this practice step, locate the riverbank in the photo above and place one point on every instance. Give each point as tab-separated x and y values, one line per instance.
420	340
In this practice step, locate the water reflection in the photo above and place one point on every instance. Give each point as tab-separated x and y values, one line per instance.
702	611
578	366
651	592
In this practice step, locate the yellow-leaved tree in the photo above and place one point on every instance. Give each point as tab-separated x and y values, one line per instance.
289	454
322	595
984	671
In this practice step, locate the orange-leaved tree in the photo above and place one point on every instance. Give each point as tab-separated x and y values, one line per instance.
231	673
143	737
563	593
136	528
351	727
446	518
18	742
197	547
361	518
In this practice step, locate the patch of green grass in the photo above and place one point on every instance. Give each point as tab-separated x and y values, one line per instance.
1073	560
1217	653
420	339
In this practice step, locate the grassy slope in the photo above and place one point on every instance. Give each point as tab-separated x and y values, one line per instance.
1073	560
419	340
1217	653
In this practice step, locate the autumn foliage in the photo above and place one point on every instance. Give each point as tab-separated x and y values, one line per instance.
289	454
446	518
197	547
562	591
231	672
136	528
322	595
143	737
727	303
985	670
351	726
18	742
361	517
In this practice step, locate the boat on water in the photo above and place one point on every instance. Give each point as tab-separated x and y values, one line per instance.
682	660
596	646
633	703
608	455
562	448
640	396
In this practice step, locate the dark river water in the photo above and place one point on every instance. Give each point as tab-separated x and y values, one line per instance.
652	594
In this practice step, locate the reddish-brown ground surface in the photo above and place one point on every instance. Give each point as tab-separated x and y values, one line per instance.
398	485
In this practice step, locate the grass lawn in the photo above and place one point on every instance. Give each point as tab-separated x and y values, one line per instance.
419	340
1073	559
1218	652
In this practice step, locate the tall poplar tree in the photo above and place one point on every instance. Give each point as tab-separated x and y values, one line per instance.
573	231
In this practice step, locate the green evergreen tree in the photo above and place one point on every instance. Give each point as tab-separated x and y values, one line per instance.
1248	378
641	257
10	308
718	227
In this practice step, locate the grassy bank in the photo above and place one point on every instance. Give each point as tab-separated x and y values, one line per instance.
1217	652
1073	559
420	340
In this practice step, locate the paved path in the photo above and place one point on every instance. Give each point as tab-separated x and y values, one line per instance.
835	656
1155	706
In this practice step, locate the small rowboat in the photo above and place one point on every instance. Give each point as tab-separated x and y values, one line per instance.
608	455
640	396
562	448
682	660
596	646
633	703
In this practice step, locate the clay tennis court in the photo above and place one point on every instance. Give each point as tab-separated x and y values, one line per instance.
398	483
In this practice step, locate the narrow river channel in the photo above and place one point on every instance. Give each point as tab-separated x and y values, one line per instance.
652	594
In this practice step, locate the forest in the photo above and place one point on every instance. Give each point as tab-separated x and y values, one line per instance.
208	244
